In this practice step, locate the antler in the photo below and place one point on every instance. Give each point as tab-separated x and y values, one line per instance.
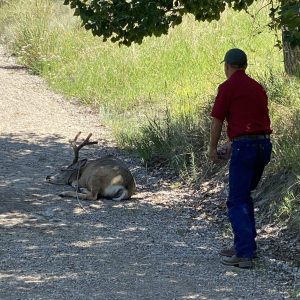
77	148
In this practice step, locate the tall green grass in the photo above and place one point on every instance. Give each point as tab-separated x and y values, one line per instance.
183	65
157	96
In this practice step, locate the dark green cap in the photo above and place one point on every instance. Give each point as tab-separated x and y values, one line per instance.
236	57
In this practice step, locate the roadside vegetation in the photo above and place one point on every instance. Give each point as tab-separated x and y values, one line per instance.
156	97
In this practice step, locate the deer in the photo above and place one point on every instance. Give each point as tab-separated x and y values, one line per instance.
104	177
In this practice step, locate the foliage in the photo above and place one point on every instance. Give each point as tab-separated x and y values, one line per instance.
29	37
127	21
288	18
175	139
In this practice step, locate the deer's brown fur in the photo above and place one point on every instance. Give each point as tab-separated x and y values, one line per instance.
106	177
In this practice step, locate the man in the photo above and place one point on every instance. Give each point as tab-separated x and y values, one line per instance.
244	104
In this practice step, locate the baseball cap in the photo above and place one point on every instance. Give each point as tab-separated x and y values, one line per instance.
235	57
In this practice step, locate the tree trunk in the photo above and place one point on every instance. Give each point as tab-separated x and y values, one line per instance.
291	43
291	59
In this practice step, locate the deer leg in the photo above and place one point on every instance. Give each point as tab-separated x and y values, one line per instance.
79	189
87	196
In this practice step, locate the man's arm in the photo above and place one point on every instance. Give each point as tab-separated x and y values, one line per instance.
215	133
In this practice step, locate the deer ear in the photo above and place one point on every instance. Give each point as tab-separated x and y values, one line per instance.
82	163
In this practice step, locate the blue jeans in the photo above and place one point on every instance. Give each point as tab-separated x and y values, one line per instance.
248	160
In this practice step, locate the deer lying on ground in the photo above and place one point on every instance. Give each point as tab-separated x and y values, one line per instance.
106	177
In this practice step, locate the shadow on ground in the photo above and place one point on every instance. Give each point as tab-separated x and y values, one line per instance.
54	248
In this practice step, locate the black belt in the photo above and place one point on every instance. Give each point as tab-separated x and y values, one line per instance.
251	137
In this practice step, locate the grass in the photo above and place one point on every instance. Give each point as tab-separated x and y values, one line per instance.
156	97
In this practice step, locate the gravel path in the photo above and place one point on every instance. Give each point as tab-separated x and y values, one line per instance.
59	248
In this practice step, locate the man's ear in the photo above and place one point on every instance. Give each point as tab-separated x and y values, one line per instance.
227	69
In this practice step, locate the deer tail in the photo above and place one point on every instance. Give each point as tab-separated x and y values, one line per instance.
116	192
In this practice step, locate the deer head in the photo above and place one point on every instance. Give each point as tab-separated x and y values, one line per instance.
68	174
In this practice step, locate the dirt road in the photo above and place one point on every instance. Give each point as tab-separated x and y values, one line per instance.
59	248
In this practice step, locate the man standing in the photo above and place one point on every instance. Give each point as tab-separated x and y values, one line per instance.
244	104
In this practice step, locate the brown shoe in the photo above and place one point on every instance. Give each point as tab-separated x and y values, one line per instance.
241	262
229	252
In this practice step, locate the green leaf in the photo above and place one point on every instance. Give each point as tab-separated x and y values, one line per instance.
129	22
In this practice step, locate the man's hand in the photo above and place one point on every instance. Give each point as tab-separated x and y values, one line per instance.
224	152
213	154
221	153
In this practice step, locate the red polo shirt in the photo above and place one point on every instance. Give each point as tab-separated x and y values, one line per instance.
244	104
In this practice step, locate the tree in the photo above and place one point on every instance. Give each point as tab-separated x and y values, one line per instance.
129	21
291	38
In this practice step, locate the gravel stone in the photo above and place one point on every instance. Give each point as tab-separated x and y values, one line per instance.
62	248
